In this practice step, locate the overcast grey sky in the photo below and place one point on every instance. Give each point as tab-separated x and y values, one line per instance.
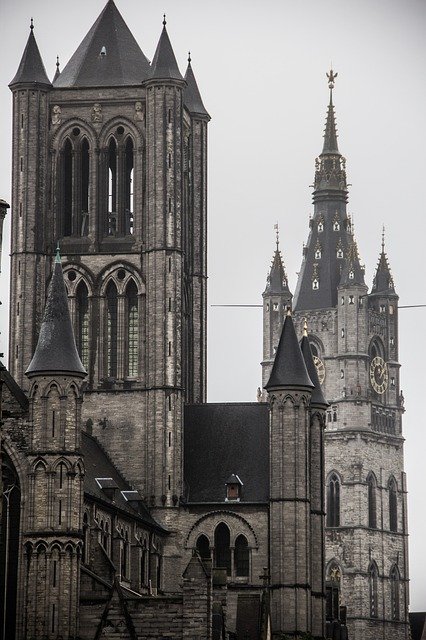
261	67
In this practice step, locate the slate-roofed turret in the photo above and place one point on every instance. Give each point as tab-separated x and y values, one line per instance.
289	369
108	55
31	68
164	65
191	95
56	351
352	271
317	397
277	281
383	281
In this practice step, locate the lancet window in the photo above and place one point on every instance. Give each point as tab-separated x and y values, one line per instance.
241	557
394	585
373	579
120	180
222	548
74	185
82	310
132	329
112	327
333	501
393	506
203	546
372	501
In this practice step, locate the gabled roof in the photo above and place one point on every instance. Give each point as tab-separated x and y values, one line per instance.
164	65
317	397
31	68
108	56
289	368
191	95
224	439
56	351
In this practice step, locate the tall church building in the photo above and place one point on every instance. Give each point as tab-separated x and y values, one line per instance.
353	335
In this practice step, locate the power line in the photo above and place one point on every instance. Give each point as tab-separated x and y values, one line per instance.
406	306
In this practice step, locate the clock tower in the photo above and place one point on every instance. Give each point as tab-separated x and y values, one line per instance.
354	339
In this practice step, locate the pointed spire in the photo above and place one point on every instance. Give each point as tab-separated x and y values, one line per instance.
57	72
31	68
56	351
330	133
352	271
277	281
164	65
108	55
289	368
317	397
383	281
191	94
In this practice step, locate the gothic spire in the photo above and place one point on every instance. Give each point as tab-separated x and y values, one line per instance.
191	95
108	55
164	65
317	397
352	271
289	368
56	351
277	281
383	281
31	68
330	133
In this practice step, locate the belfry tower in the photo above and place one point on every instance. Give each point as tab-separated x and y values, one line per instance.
353	336
111	159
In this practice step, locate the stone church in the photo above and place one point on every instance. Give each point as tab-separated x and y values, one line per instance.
132	508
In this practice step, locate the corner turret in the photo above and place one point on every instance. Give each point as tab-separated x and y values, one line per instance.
164	65
383	281
191	95
31	68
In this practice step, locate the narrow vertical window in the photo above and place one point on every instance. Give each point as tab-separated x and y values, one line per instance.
373	573
142	567
55	566
112	187
132	329
128	182
393	511
241	557
84	185
111	341
67	188
394	582
222	548
203	546
82	300
333	501
85	556
372	510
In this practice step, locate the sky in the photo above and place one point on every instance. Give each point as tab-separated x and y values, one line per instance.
261	68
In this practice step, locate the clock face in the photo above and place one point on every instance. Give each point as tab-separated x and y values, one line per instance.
320	368
379	376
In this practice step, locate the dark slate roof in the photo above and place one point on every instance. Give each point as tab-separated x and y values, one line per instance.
98	465
383	281
191	95
352	272
56	351
317	397
277	281
289	369
418	625
164	65
31	68
123	63
223	439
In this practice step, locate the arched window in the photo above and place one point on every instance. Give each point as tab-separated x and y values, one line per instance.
222	548
373	575
112	188
132	329
203	546
84	188
333	501
241	557
85	555
372	501
142	568
82	304
333	585
111	330
67	182
124	553
128	185
394	584
393	506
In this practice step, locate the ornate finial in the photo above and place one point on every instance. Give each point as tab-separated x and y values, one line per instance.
189	57
164	20
383	239
277	234
32	24
305	328
57	63
331	78
58	254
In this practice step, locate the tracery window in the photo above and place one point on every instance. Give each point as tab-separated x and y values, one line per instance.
120	195
372	501
128	186
394	585
333	501
74	185
112	187
222	547
393	510
112	327
67	171
203	546
82	309
132	329
373	575
241	557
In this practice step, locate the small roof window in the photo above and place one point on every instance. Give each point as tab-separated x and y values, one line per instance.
233	488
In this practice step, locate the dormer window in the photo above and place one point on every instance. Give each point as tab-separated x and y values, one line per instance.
275	306
351	300
336	226
382	308
339	253
320	227
315	284
318	254
233	488
108	487
392	341
351	274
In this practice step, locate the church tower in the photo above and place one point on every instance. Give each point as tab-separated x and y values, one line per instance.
111	159
52	534
353	336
